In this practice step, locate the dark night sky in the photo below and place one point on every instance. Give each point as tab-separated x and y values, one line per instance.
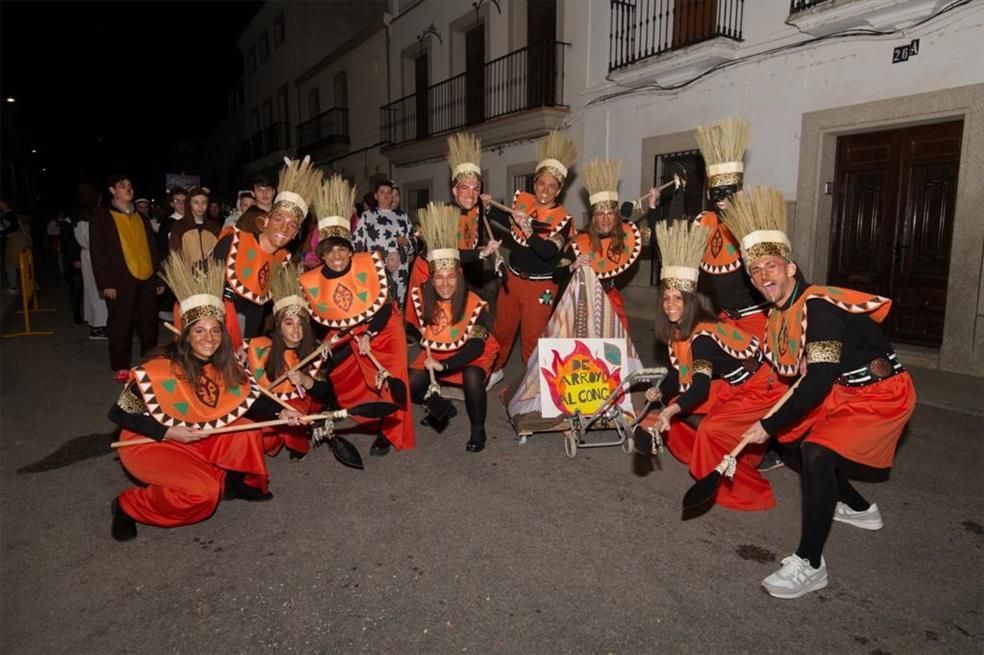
102	86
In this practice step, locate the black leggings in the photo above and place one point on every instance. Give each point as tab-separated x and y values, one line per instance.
473	383
823	485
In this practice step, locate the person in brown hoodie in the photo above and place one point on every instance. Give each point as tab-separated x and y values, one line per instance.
195	234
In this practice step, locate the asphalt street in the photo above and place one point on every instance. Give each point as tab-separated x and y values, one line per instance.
518	549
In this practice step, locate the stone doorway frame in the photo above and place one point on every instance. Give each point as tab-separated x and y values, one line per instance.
962	350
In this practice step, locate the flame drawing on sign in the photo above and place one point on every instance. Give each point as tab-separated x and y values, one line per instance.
580	381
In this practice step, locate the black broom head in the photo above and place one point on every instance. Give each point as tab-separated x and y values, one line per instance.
702	491
346	452
373	410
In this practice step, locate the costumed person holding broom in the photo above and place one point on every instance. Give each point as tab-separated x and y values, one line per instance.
191	384
722	145
716	375
349	294
609	245
268	358
854	394
540	229
464	158
454	324
250	259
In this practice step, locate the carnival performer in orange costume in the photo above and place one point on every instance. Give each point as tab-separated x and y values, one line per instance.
853	393
464	158
192	384
268	358
250	259
454	325
610	245
349	294
540	229
716	375
723	147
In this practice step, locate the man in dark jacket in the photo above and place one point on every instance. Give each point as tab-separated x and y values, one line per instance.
125	263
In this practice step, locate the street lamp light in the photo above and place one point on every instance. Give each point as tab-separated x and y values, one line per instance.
10	99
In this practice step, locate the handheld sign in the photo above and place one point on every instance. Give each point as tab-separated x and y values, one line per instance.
579	375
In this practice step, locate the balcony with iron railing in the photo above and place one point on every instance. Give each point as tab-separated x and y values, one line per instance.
273	138
327	128
518	95
641	29
823	17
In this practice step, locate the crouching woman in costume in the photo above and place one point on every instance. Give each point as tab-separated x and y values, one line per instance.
716	375
610	245
349	294
188	386
853	393
269	358
454	325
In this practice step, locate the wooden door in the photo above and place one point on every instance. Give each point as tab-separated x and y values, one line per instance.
693	21
475	75
421	75
541	53
893	222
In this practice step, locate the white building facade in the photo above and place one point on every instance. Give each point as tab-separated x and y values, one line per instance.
867	114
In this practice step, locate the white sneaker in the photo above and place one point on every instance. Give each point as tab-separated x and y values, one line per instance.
494	379
869	519
796	578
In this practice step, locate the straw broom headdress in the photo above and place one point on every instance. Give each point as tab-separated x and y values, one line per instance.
284	287
439	227
464	156
681	246
757	217
723	147
298	183
198	287
556	154
333	205
600	178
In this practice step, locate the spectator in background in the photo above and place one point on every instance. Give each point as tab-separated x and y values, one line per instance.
9	224
244	201
197	233
384	230
215	212
178	199
124	261
264	190
94	310
71	264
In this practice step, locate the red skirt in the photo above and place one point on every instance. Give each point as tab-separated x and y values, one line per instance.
354	380
483	361
185	481
295	437
863	424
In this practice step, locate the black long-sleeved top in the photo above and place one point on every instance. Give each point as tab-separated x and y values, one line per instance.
860	339
538	258
704	349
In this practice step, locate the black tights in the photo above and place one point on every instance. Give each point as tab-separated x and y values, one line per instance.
823	485
473	384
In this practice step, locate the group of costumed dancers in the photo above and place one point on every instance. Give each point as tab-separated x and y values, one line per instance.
769	358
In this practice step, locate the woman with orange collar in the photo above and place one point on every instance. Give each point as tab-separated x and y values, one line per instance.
268	358
349	294
190	385
454	325
610	245
716	375
250	259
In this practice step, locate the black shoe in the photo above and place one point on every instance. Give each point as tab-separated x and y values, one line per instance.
295	455
771	460
476	443
236	488
380	447
124	527
428	420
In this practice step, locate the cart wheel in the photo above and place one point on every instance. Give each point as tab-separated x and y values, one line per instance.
628	445
570	444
